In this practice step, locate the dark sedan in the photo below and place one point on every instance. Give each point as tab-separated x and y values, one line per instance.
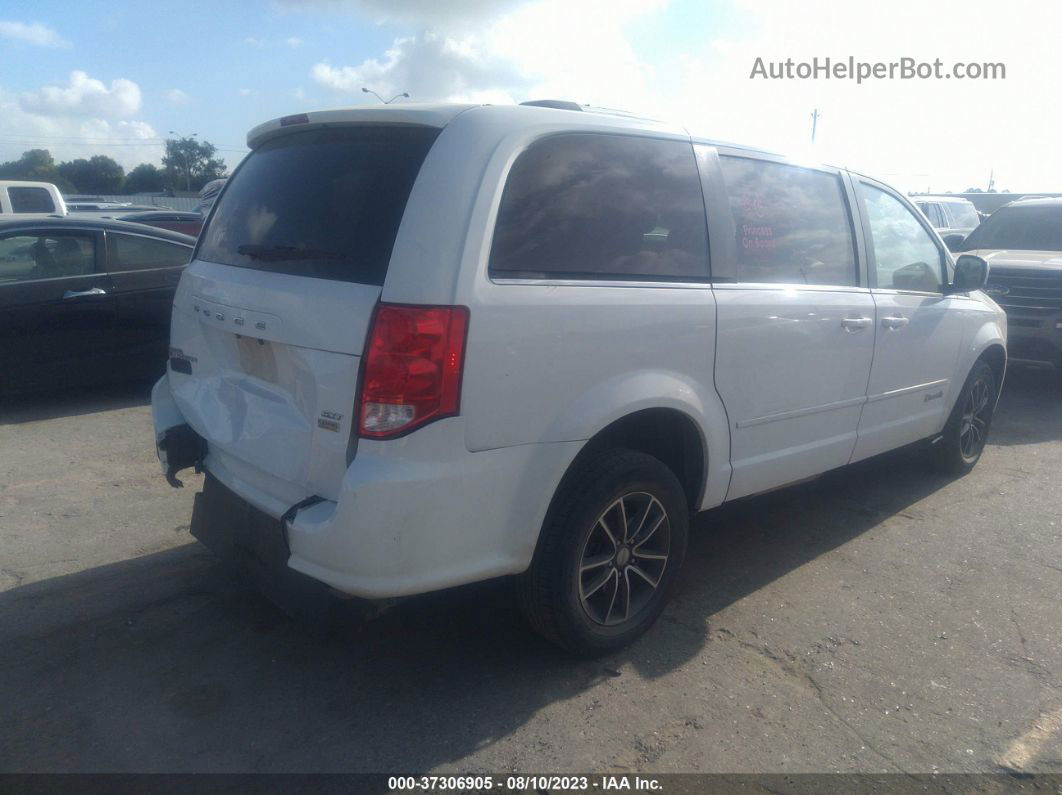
188	223
85	301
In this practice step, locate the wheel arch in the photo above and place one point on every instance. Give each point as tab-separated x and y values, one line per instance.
669	434
995	355
986	342
654	397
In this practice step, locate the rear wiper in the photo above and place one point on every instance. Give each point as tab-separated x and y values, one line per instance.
275	253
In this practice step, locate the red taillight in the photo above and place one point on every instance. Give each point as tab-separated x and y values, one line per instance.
412	368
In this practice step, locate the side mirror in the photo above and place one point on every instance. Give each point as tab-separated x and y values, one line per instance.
954	242
971	273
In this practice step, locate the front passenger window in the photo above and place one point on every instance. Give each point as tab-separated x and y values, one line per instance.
906	256
29	257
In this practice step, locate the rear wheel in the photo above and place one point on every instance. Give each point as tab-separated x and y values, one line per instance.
966	431
609	552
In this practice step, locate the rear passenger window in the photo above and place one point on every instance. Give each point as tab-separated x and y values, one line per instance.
791	224
129	252
602	207
30	200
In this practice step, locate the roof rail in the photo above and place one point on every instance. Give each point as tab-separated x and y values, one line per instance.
560	104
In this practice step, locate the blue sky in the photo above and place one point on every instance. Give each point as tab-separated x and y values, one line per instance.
217	69
208	51
81	78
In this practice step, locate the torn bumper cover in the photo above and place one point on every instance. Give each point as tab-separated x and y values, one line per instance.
180	448
232	528
177	444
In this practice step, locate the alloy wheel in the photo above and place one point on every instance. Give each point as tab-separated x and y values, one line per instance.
623	559
977	412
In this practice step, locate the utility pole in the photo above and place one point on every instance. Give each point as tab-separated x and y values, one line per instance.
991	179
814	123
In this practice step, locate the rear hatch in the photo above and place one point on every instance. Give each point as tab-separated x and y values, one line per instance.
271	317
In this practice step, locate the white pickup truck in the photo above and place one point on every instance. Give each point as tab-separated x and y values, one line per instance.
20	197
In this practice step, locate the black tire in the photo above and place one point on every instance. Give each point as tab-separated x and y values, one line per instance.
960	446
558	593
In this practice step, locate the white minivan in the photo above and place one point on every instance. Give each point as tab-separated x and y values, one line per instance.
424	345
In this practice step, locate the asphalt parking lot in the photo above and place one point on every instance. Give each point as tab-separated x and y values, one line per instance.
882	618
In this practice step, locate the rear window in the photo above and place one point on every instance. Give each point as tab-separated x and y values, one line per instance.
963	215
30	200
321	203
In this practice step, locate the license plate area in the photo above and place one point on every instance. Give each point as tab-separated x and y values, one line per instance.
235	530
240	534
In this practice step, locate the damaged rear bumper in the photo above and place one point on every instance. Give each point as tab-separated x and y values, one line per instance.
177	444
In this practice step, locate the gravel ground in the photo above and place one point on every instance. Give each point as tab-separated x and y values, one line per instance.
880	619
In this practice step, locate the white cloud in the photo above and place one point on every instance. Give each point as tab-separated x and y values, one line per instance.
262	42
129	141
33	33
430	66
524	54
178	98
84	96
917	134
80	119
589	58
448	15
247	92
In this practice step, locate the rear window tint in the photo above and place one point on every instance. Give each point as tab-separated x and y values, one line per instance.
132	252
30	200
602	207
321	203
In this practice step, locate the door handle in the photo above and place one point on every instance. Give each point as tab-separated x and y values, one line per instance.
894	322
83	293
855	323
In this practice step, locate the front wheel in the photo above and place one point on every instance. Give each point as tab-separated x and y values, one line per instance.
960	446
609	553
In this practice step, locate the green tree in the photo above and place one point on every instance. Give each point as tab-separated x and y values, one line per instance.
191	164
36	164
98	174
145	178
